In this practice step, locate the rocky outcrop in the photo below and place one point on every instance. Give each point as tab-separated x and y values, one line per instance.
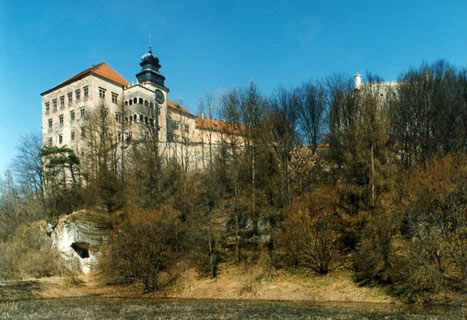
79	237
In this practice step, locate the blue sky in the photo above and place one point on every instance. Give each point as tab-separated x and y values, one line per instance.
214	45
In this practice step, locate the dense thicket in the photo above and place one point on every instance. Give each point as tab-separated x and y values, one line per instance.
322	176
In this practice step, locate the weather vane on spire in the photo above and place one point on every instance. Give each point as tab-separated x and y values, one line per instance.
150	49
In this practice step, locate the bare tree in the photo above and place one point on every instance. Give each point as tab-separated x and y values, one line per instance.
312	112
283	125
101	158
28	166
428	112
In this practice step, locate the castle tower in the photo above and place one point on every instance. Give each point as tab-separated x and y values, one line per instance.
150	70
358	81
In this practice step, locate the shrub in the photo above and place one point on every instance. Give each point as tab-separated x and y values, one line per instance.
309	230
373	259
29	253
142	246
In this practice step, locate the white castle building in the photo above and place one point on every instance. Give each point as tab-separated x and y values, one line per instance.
66	106
383	87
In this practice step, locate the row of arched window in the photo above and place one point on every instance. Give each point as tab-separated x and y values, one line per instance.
135	118
140	101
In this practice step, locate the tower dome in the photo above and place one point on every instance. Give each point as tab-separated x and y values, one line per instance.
150	60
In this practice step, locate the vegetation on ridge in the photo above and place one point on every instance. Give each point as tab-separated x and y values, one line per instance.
323	177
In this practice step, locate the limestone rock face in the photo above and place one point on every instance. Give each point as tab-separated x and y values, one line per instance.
79	237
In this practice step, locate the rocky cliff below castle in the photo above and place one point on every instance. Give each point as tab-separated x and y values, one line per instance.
79	237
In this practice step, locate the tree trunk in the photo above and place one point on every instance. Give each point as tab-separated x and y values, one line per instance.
211	255
372	178
237	224
253	185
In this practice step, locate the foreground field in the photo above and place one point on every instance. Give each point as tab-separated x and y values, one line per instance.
238	293
133	308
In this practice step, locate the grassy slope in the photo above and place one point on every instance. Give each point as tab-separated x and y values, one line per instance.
234	282
237	282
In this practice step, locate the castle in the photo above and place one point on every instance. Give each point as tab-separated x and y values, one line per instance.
131	107
135	110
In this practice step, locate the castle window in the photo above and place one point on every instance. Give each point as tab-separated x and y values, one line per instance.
47	108
126	103
134	117
83	132
102	93
103	112
140	100
54	104
85	92
60	120
130	102
114	97
77	94
187	128
146	103
151	105
82	112
70	97
186	140
151	121
140	118
50	124
60	138
118	117
62	102
72	115
146	120
49	141
135	100
175	124
126	119
73	134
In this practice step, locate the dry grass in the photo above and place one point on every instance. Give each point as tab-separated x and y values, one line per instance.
206	309
234	282
238	282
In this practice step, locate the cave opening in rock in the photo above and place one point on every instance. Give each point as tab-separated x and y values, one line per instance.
81	248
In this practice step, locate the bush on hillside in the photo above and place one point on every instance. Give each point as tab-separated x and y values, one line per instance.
310	235
29	254
143	245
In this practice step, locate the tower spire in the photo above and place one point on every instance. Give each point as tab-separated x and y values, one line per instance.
150	49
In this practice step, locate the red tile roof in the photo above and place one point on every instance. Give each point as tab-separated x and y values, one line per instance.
102	69
178	107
